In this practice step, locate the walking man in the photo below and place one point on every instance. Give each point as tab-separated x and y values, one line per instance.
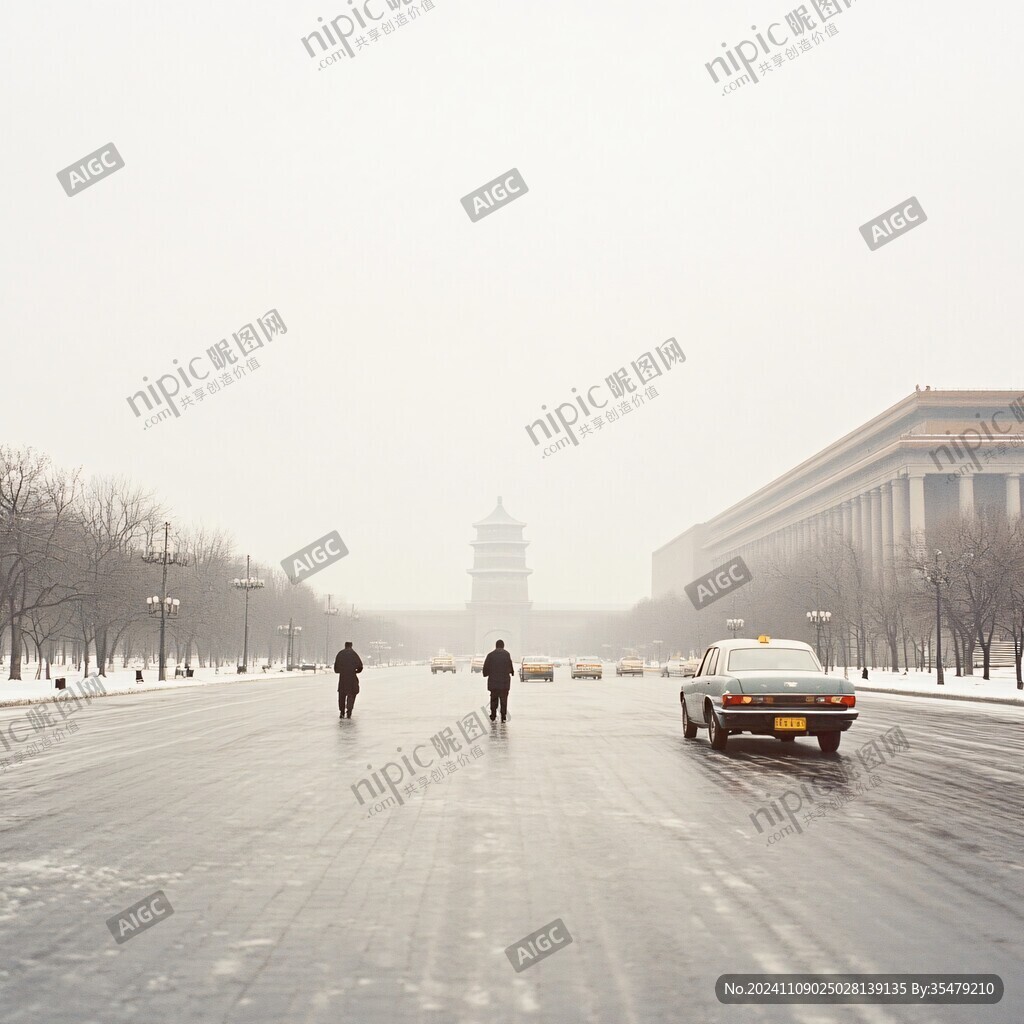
348	665
498	672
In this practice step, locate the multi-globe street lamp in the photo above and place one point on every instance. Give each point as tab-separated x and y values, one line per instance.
249	583
820	619
735	625
168	606
165	556
166	609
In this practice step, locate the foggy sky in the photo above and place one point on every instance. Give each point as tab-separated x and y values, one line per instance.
420	344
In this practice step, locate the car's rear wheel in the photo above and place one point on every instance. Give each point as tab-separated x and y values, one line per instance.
716	734
829	741
689	729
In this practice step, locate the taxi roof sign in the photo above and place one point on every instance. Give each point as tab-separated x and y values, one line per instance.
762	639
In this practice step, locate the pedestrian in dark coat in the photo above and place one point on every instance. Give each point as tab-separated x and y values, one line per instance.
348	665
498	671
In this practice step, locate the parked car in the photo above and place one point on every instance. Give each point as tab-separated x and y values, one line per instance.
629	666
477	664
679	666
766	687
537	666
442	663
588	667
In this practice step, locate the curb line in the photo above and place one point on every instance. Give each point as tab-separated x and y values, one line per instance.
943	696
22	702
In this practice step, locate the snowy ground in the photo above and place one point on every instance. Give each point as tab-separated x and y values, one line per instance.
1003	683
29	690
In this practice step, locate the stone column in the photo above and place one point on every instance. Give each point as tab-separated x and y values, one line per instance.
1012	496
900	533
877	544
967	495
866	530
915	483
888	555
855	524
846	516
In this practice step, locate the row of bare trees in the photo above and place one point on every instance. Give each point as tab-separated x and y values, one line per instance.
72	576
877	620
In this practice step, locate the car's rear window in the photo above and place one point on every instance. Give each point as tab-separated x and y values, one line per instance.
770	659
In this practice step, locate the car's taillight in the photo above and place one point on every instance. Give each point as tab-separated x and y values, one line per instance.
847	698
729	699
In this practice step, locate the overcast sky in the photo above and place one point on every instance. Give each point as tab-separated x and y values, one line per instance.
419	344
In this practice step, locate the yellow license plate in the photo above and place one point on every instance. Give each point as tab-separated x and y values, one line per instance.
790	723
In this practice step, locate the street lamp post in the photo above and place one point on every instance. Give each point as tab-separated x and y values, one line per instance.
165	556
290	630
330	612
939	578
249	583
820	619
735	625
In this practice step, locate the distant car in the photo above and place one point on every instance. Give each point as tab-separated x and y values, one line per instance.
629	667
678	666
589	667
442	663
766	687
477	665
537	666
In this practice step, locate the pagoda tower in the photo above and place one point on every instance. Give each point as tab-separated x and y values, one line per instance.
500	601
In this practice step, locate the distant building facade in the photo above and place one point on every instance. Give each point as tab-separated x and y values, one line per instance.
883	488
499	607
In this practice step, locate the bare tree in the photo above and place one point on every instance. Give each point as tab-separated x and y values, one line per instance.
115	516
40	567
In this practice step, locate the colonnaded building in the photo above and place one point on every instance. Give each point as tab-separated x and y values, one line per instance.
499	608
883	488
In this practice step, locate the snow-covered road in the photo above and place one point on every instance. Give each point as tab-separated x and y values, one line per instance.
294	902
